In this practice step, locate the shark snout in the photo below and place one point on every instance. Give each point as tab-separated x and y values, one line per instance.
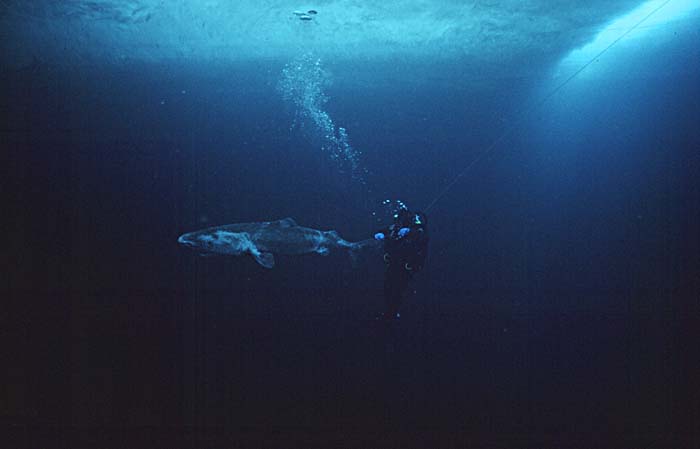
186	239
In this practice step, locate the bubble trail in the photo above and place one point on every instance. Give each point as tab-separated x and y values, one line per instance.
303	85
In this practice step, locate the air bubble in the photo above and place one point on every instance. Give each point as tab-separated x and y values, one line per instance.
303	84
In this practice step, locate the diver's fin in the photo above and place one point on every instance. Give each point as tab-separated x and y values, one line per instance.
287	222
267	260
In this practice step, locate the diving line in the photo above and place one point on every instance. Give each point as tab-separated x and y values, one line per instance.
539	104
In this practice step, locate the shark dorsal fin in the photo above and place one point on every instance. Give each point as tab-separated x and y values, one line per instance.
287	222
332	233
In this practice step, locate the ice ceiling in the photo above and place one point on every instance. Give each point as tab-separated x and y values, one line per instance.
490	32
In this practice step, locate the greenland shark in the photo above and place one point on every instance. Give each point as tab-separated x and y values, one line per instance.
264	239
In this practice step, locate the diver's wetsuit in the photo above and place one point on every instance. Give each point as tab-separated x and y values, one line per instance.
404	256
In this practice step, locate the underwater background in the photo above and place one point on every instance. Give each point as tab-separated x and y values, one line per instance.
559	304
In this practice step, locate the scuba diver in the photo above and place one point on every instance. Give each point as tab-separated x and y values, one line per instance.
405	250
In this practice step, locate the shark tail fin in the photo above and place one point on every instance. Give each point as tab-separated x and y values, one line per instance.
356	248
267	260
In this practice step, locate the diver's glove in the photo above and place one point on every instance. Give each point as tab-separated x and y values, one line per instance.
403	231
379	236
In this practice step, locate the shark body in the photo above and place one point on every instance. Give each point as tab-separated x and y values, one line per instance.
264	239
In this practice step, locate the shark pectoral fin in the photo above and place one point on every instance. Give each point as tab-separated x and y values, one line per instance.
267	260
323	251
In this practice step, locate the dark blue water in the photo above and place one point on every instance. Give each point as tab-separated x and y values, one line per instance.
557	307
